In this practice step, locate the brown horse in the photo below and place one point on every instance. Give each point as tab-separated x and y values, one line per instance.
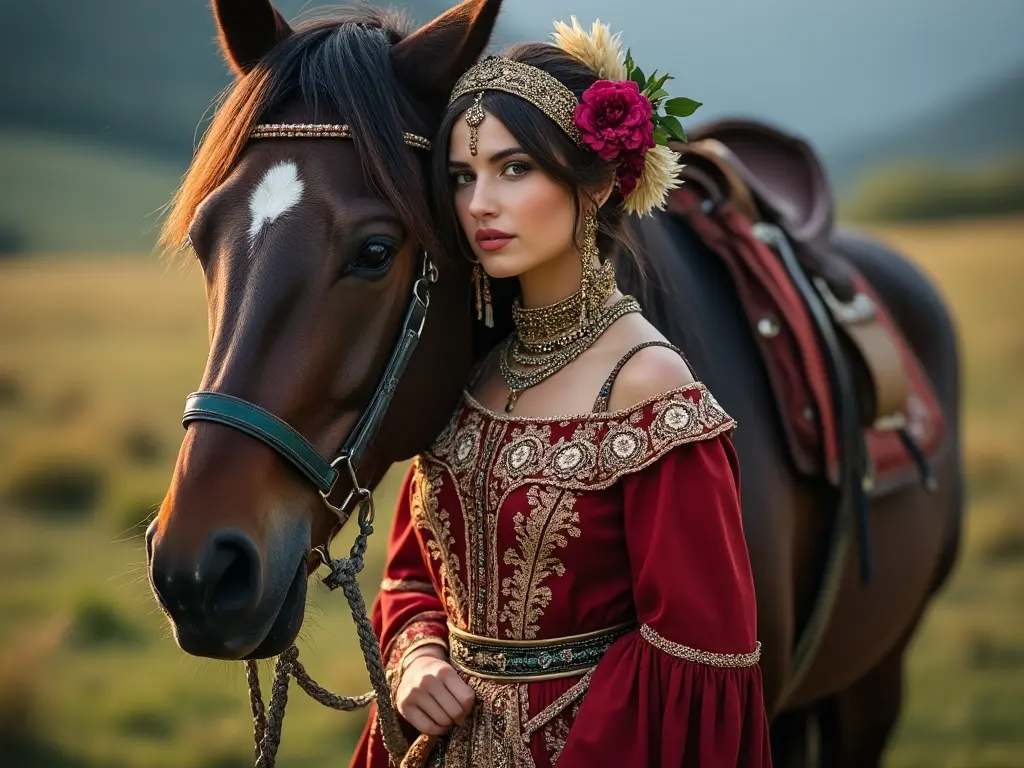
310	250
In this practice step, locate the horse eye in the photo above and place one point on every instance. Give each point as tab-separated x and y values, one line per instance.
376	255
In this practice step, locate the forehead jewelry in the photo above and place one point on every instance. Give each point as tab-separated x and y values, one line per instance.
474	116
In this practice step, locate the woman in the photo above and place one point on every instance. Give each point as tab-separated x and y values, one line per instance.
568	589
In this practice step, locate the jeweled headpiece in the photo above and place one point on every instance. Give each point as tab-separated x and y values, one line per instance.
618	116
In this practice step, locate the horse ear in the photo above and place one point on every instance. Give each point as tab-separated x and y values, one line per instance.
248	29
436	55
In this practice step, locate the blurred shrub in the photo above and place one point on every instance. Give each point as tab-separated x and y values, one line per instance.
96	622
986	652
58	487
23	740
11	392
924	192
1007	546
142	446
147	724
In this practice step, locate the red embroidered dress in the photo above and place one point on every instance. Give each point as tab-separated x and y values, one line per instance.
524	529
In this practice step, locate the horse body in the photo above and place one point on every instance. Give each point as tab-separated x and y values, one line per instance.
302	326
787	517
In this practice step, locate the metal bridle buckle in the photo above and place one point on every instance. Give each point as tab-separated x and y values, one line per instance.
357	490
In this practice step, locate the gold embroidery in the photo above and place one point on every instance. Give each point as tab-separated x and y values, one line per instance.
552	518
555	708
490	737
730	660
556	733
427	515
602	447
407	585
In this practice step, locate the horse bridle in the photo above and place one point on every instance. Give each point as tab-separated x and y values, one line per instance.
286	441
280	436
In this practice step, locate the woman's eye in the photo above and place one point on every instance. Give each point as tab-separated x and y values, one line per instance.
517	168
376	255
462	179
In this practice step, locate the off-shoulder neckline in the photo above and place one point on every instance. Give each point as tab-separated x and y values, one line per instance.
619	414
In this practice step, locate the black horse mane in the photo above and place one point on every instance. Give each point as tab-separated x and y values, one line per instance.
338	66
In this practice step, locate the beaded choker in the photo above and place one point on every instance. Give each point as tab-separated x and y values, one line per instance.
540	325
549	338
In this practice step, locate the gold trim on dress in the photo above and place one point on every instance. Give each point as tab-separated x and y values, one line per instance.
470	637
407	585
525	661
685	652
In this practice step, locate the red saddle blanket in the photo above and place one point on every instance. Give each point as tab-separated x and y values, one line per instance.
795	362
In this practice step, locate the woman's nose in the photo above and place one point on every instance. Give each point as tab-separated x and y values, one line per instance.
482	204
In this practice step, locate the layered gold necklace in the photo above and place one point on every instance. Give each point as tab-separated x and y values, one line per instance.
548	338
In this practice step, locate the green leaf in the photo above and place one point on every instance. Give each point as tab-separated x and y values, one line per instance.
629	61
637	76
661	136
660	83
682	106
659	94
674	127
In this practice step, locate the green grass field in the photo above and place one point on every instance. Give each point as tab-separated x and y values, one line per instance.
96	357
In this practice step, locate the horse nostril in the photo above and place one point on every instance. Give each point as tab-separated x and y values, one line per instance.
233	573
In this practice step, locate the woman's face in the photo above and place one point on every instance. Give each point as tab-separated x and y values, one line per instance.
515	216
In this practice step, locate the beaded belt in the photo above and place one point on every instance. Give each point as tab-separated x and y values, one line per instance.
528	660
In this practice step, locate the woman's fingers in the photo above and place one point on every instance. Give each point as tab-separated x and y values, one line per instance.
422	722
427	702
447	701
464	696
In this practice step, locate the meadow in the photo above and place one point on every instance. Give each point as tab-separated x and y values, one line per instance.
97	354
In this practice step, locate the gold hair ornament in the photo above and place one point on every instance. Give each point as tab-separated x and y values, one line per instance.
645	175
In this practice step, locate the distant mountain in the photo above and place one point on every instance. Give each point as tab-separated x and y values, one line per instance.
139	74
984	125
100	100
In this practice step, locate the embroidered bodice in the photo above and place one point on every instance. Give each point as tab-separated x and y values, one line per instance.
503	502
516	533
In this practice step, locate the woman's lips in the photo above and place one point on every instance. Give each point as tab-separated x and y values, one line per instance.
494	243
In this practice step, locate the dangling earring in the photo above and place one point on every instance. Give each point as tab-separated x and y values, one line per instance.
588	255
482	294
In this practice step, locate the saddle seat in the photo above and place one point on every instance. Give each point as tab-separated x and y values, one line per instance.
743	175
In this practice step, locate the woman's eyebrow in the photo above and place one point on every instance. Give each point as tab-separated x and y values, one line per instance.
496	157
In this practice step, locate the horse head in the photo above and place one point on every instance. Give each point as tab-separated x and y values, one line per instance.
314	248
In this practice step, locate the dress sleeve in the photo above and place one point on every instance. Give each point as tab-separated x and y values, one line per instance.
409	612
684	689
406	614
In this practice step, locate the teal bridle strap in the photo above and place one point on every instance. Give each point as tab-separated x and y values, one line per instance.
257	422
263	425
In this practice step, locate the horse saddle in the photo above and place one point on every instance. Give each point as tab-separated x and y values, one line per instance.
746	179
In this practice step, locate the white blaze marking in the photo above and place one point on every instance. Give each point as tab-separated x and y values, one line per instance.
278	192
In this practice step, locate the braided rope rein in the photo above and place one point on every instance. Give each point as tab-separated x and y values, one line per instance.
267	722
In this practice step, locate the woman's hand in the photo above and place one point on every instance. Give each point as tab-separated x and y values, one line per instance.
431	695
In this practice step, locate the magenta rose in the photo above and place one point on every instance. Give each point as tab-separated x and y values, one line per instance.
614	119
631	166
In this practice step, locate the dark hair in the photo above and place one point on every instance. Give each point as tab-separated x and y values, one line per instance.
340	66
577	168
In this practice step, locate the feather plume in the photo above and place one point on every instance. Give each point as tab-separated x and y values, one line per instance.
660	176
599	49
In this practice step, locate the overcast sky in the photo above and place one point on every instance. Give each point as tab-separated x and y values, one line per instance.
832	69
